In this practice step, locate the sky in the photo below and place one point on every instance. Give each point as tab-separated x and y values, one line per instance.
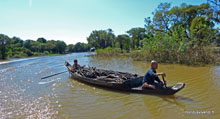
73	20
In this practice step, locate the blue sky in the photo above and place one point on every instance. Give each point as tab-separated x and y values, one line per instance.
73	20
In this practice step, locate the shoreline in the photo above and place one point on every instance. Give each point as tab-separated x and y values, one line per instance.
143	55
17	58
27	57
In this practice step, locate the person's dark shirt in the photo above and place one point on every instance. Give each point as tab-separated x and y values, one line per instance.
151	76
75	67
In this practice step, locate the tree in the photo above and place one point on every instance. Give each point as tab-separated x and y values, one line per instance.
42	40
27	43
202	31
137	35
81	47
101	38
215	4
35	46
18	42
161	18
50	46
123	42
4	43
70	48
60	47
180	23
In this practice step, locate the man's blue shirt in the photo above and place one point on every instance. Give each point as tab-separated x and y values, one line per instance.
151	76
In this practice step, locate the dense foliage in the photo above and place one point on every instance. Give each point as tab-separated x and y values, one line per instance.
16	47
183	34
101	39
78	47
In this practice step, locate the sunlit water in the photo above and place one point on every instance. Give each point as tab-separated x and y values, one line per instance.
24	95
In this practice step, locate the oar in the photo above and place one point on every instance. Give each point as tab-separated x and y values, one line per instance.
165	83
53	75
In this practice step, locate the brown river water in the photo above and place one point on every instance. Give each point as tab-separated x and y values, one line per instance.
24	95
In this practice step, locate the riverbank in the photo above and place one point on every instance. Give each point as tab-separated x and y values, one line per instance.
190	57
35	55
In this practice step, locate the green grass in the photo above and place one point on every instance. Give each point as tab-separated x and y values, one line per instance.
110	52
190	57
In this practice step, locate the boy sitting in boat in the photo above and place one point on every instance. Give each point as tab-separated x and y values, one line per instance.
75	66
151	79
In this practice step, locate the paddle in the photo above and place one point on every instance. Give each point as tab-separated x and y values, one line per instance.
53	75
165	83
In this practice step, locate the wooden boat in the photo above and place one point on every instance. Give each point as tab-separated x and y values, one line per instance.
112	83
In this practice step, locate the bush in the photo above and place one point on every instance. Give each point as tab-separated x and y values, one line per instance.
46	53
28	52
190	57
36	53
20	54
108	51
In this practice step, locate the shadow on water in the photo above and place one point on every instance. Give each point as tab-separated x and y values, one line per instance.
169	98
176	99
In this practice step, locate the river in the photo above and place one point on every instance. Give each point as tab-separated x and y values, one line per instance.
24	95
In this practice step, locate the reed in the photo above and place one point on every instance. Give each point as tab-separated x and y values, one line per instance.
204	55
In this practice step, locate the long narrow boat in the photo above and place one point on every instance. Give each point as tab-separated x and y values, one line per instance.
111	83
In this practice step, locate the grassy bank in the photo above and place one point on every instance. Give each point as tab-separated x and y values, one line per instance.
111	52
25	56
190	57
35	54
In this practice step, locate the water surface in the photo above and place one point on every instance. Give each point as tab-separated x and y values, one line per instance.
24	95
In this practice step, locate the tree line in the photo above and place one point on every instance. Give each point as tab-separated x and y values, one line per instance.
16	47
173	33
185	33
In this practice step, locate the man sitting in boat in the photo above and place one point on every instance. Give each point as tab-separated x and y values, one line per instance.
151	79
75	66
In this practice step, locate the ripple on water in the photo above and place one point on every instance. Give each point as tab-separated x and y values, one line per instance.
16	105
16	102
